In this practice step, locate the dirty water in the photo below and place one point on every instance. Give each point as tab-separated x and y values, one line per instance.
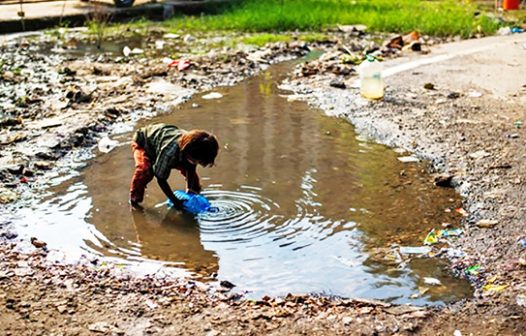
305	206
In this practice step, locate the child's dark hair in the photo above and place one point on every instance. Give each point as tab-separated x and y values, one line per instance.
200	146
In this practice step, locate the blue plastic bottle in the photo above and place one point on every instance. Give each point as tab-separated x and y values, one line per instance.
193	203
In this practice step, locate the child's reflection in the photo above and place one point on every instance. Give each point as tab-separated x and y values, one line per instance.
174	238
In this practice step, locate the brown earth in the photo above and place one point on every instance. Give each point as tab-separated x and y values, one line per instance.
460	135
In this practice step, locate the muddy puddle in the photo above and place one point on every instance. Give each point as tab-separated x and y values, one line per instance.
305	206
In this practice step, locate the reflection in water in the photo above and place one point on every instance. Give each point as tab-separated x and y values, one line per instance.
174	237
304	206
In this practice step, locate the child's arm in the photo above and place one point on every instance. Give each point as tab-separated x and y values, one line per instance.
192	181
165	187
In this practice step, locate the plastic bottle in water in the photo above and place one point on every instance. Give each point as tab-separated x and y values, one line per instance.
193	203
371	81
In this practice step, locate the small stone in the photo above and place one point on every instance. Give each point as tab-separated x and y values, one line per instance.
444	180
99	327
227	284
429	86
487	223
337	84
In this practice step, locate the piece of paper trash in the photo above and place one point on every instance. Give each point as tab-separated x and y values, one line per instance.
180	64
159	44
106	145
126	51
432	281
408	159
213	95
136	51
474	94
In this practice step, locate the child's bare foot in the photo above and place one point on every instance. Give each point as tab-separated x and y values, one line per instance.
134	205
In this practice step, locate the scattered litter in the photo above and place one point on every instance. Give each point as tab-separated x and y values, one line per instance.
136	51
479	154
487	223
408	159
522	242
504	31
473	270
432	281
431	238
518	124
106	145
126	51
188	38
490	286
450	233
422	250
462	211
171	36
213	95
181	64
517	30
159	44
494	288
474	94
521	300
457	333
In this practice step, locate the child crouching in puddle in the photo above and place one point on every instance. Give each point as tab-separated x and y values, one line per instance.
159	148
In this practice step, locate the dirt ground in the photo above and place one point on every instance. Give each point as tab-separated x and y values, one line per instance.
469	132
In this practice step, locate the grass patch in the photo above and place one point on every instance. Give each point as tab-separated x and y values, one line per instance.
262	39
438	17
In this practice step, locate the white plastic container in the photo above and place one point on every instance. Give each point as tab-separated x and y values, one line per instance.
371	81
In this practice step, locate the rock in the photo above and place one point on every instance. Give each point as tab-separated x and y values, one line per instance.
487	223
444	180
7	196
453	95
337	84
99	327
38	243
227	284
5	122
429	86
43	165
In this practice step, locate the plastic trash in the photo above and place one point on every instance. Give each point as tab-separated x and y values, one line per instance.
126	51
474	270
180	64
212	95
522	242
106	145
415	249
431	238
432	281
193	203
371	81
450	233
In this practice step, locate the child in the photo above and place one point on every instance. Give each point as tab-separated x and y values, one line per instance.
159	148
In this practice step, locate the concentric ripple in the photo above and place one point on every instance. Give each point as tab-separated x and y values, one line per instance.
238	215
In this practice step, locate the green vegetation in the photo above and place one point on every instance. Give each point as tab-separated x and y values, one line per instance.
262	39
438	17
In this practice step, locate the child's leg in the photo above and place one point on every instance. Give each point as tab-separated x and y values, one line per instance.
142	176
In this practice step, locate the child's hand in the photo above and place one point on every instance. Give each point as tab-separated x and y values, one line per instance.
192	191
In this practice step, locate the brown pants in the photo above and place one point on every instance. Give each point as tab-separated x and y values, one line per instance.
143	174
